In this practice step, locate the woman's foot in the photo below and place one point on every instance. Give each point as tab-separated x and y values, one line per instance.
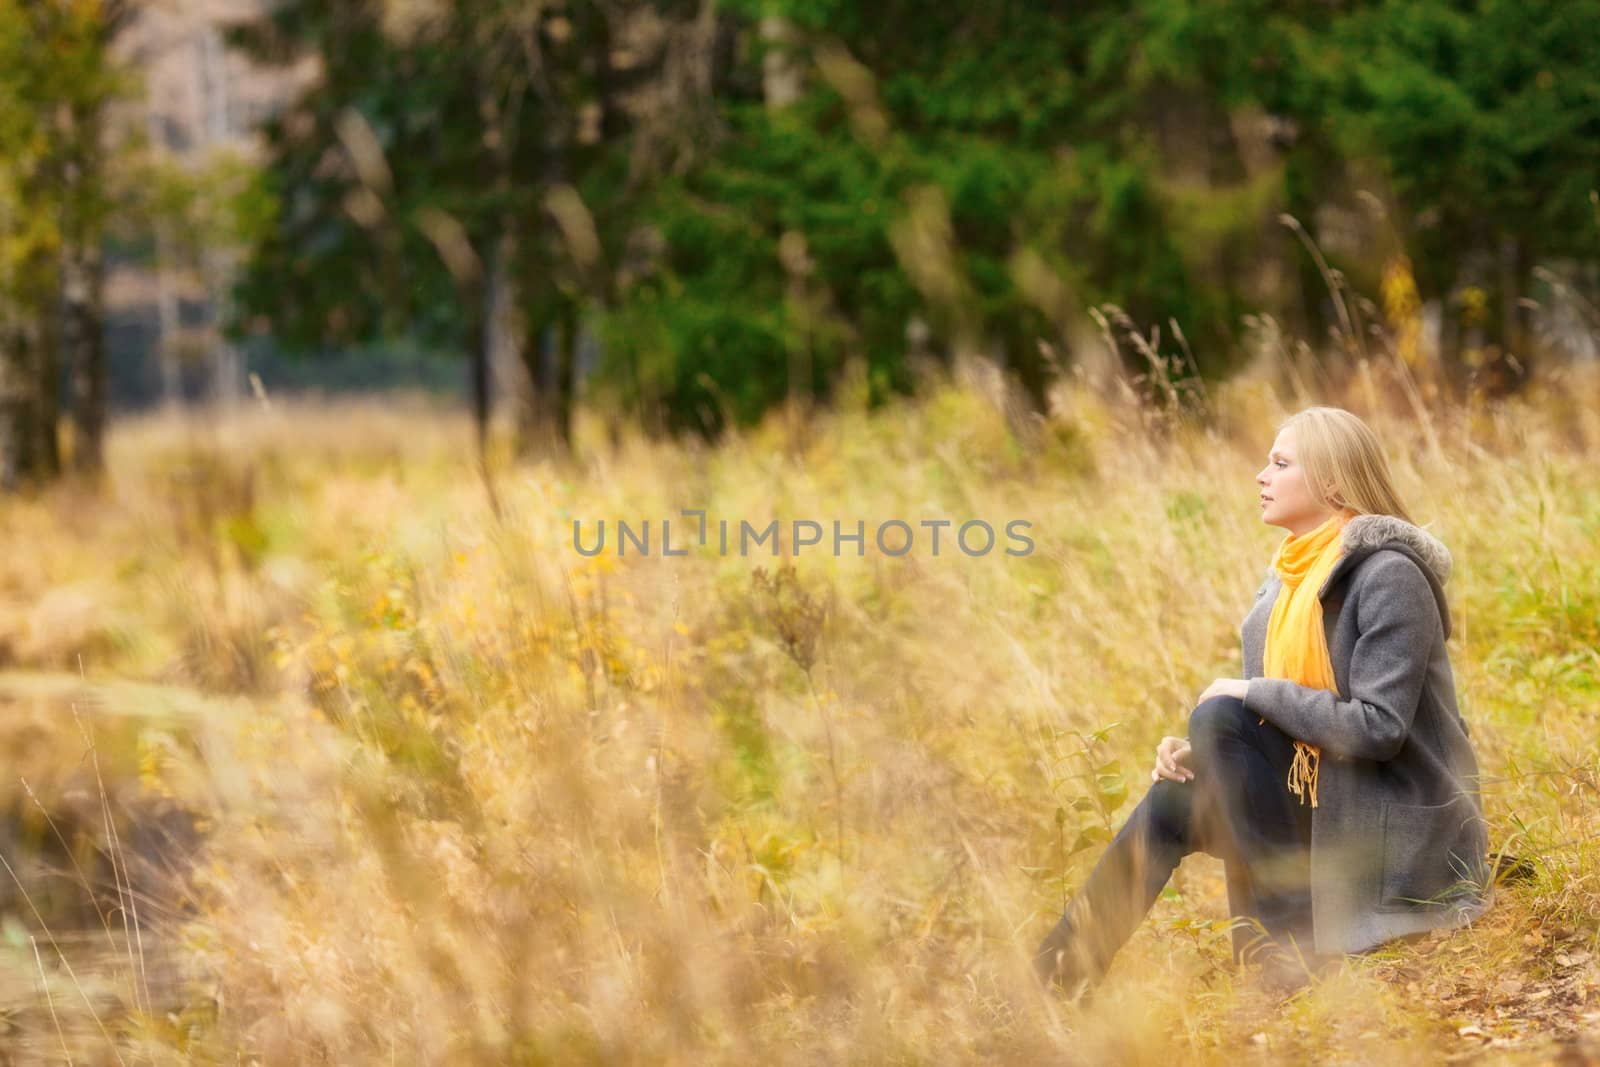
1061	964
1283	971
1279	975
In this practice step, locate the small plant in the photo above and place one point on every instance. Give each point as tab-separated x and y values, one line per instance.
1100	787
796	616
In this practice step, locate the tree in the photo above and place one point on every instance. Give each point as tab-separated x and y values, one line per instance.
977	176
1482	117
56	83
28	240
439	163
57	79
85	81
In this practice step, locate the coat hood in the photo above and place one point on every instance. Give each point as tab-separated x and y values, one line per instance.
1365	534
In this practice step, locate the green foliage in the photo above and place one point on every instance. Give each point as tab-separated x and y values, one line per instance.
943	180
1507	89
717	329
420	150
1483	115
990	173
330	224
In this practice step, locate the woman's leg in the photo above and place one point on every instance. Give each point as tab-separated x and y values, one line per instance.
1124	883
1260	830
1232	809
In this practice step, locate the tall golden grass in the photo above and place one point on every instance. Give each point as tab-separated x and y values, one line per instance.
463	795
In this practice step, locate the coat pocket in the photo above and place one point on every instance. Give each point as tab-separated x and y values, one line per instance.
1433	855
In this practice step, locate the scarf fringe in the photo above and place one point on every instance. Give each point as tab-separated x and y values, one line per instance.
1296	647
1303	771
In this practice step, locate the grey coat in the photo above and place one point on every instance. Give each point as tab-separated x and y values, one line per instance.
1398	841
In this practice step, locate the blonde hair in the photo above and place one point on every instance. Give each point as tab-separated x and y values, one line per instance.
1344	463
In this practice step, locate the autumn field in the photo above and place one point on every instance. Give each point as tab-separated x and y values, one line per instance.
324	749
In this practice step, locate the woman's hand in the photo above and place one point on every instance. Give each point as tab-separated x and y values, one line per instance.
1224	687
1171	755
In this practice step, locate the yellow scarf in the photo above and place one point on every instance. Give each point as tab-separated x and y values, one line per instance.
1297	647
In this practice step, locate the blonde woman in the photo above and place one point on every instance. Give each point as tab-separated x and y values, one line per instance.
1335	779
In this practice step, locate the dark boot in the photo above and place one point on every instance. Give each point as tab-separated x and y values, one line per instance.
1062	961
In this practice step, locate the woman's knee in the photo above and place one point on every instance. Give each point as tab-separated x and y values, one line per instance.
1219	716
1169	809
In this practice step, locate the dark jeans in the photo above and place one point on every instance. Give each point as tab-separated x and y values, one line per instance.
1238	808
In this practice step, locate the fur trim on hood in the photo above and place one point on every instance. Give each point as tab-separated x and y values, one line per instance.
1368	533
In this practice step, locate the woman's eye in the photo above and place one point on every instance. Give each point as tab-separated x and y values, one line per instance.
1280	463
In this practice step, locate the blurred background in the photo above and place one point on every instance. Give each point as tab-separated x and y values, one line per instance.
322	323
687	214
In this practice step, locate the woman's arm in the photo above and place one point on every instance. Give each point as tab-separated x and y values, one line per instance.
1398	622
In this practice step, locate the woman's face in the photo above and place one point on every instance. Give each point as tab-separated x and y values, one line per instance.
1286	499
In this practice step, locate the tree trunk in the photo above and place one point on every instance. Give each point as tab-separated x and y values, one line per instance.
511	383
478	352
83	341
551	352
81	268
782	77
227	362
14	430
167	324
47	382
28	451
1515	354
565	371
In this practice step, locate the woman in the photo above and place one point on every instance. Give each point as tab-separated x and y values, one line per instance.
1335	780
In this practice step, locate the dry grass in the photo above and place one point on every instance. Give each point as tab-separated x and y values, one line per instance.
467	796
